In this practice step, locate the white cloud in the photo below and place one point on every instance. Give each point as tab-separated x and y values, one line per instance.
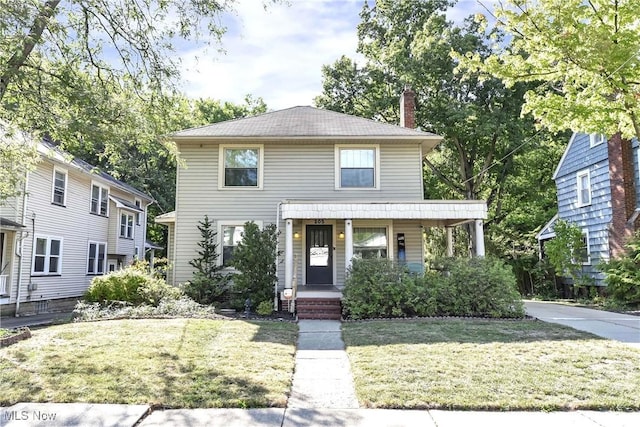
276	54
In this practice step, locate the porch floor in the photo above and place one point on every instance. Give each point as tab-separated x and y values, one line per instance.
318	291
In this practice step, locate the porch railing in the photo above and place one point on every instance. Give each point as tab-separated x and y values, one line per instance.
4	279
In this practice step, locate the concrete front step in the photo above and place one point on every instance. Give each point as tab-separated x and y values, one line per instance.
319	308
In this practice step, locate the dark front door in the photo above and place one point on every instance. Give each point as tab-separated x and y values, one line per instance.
319	255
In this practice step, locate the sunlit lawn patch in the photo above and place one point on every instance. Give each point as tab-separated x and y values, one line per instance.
498	365
170	362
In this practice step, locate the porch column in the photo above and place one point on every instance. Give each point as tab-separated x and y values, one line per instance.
449	241
288	254
479	238
348	243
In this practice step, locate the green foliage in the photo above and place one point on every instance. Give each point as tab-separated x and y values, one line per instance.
18	155
454	287
623	275
208	285
132	286
168	307
265	308
585	54
566	252
255	260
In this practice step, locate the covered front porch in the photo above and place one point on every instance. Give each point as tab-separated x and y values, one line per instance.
322	238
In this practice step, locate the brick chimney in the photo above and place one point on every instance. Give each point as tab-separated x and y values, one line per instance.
623	193
408	108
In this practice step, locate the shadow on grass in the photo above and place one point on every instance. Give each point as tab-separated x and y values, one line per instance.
284	333
473	331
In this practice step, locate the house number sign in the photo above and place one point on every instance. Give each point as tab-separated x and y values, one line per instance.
319	221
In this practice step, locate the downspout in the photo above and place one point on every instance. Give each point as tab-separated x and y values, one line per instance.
275	285
22	237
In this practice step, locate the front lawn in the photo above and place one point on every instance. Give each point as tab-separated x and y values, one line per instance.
489	365
177	363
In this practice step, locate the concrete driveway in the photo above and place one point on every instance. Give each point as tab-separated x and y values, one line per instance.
614	326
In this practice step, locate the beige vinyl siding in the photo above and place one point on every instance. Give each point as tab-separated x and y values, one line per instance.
293	170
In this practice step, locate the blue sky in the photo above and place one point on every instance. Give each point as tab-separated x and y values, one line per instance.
277	54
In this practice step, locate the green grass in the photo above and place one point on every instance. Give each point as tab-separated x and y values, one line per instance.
489	365
178	363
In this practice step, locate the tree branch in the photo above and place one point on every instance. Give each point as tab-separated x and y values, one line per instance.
19	57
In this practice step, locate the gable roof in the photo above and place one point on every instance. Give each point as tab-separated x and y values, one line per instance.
304	122
51	151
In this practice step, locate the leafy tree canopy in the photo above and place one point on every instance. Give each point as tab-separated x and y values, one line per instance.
584	54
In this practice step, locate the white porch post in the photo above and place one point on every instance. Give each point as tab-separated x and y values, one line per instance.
288	254
449	241
479	238
348	243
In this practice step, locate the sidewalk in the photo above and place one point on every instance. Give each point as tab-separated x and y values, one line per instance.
614	326
10	322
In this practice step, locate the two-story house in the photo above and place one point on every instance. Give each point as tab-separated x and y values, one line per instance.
70	223
338	187
598	182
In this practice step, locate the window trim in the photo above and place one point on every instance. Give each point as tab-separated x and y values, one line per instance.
102	187
104	261
47	255
338	167
585	234
136	253
129	227
138	203
221	165
220	229
386	229
65	172
579	189
596	139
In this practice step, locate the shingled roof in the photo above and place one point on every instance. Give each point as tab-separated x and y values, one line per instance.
303	122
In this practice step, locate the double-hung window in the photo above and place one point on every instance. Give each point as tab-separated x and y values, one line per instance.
126	225
47	255
59	196
584	188
357	166
241	167
138	204
596	139
231	236
370	242
96	258
99	200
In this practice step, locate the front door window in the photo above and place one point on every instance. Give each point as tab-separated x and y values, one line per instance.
319	255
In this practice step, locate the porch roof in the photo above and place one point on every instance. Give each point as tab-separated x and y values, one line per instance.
454	211
8	224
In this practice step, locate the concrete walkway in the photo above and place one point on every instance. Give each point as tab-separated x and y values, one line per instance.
614	326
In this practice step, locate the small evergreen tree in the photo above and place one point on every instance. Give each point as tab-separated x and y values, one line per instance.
623	275
208	285
255	259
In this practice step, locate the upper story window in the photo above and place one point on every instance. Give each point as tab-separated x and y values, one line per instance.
126	225
47	255
357	166
59	196
96	258
584	188
99	200
596	139
138	203
241	166
370	242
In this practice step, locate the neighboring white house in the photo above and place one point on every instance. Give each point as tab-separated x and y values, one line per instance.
71	223
337	187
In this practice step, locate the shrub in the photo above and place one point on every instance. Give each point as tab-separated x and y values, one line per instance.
255	260
130	285
623	275
265	308
457	287
180	307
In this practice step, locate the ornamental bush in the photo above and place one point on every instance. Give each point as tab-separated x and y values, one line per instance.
132	286
623	275
481	287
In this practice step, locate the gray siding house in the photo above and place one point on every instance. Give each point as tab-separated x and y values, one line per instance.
71	223
598	182
337	187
